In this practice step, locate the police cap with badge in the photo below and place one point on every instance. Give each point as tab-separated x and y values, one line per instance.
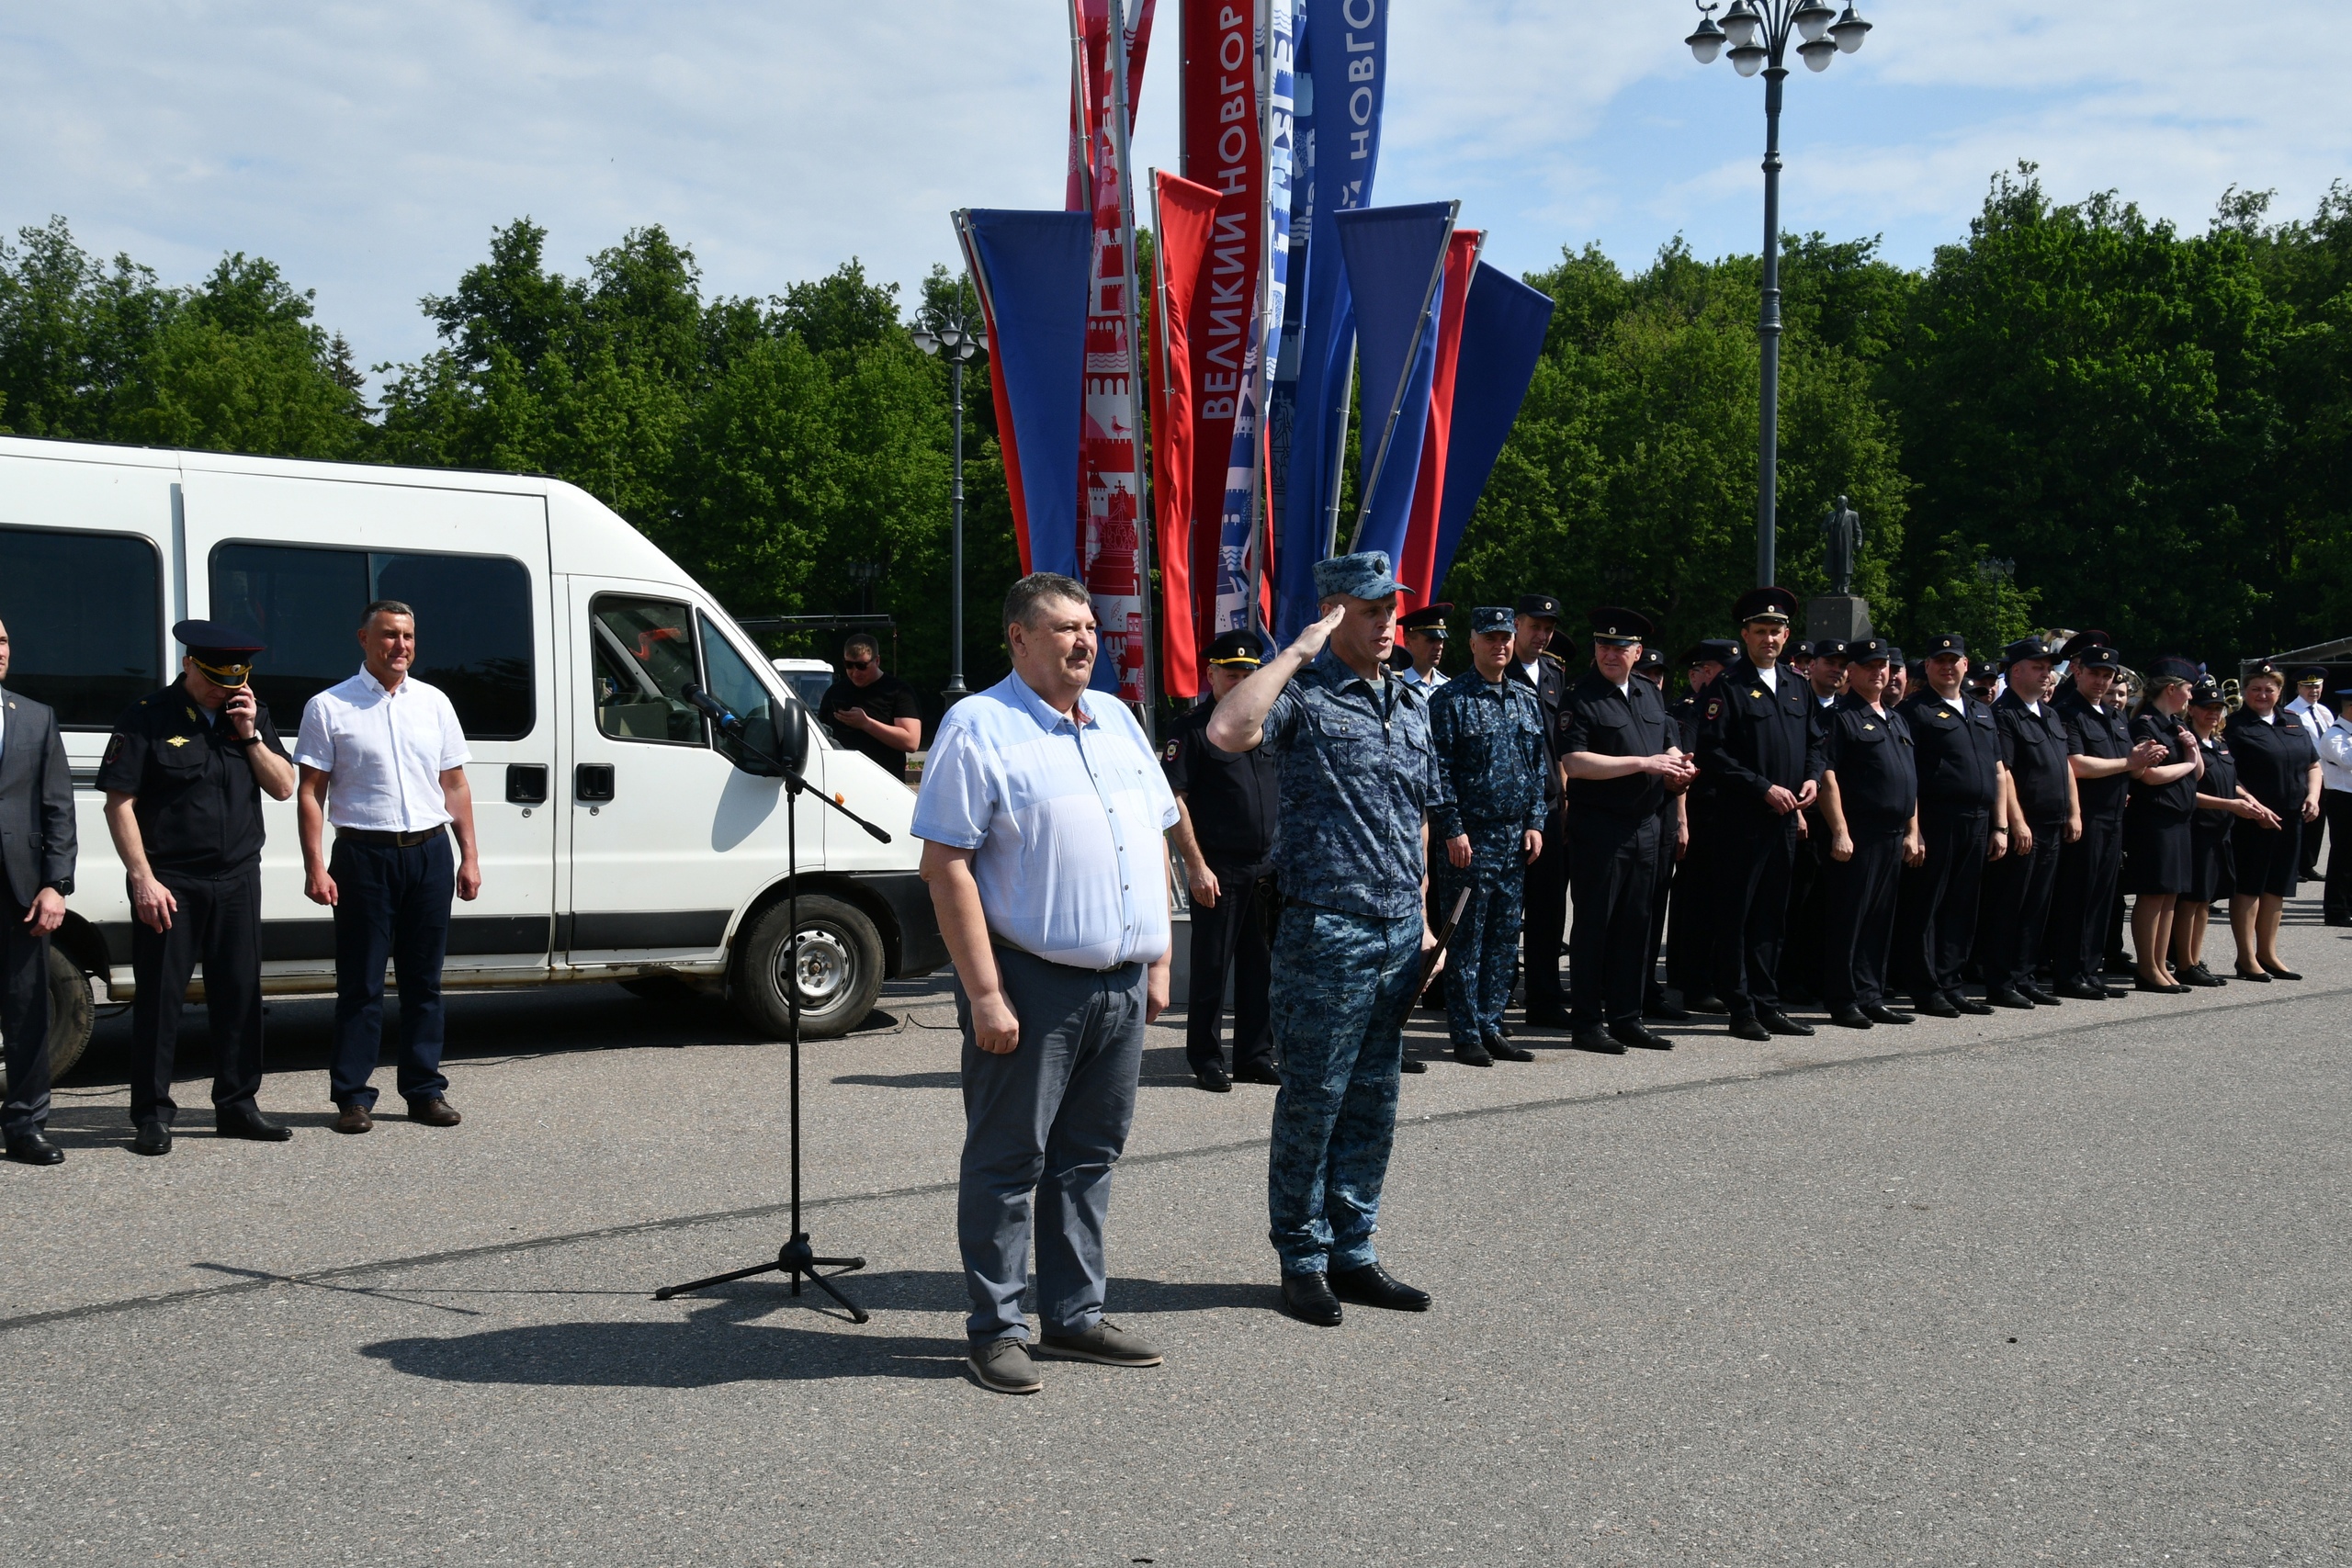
1765	605
1488	618
1237	650
1428	620
1620	628
1947	645
197	802
222	654
2092	650
1712	650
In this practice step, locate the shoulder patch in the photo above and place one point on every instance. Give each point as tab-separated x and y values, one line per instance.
114	747
1714	707
1168	753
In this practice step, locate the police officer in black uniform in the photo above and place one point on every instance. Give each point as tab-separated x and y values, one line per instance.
1545	912
2044	815
1673	837
1760	765
1619	753
1800	977
1964	821
1689	985
1870	803
2104	759
184	776
1225	805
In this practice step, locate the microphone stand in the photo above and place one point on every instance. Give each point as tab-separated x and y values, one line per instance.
796	1258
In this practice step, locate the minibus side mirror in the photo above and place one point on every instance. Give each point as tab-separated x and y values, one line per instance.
791	725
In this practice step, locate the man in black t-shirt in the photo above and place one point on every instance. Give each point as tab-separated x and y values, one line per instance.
870	713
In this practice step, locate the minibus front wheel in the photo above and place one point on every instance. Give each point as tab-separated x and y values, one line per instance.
72	1015
839	966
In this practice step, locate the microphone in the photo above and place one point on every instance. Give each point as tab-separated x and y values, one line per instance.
728	723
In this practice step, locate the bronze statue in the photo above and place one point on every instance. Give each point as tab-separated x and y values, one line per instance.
1842	530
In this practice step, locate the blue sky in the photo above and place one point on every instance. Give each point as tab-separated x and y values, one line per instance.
370	148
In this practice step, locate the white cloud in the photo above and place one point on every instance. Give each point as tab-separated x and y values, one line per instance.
370	148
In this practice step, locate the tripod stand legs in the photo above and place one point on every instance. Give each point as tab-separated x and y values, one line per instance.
796	1259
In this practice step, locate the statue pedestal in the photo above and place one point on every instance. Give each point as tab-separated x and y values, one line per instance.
1843	616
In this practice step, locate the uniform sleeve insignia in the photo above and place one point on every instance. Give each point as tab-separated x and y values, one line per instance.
1170	754
1714	707
176	741
192	718
114	747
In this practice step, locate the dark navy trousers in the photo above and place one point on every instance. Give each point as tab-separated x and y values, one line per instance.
392	904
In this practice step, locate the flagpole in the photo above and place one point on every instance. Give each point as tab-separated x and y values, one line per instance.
1405	380
1117	45
1078	103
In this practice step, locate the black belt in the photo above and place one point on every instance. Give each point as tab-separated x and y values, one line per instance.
396	841
1003	946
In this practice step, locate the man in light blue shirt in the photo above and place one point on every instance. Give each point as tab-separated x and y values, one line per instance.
1042	811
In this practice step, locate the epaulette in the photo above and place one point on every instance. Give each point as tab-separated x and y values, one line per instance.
1554	657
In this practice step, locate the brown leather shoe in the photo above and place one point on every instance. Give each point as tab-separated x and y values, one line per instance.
354	1119
434	1113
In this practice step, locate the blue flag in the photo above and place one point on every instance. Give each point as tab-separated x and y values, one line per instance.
1343	83
1031	271
1396	264
1503	325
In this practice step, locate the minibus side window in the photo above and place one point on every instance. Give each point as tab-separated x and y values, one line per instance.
84	614
473	626
733	684
643	659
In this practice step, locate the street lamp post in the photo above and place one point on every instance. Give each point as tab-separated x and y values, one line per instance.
1758	32
957	341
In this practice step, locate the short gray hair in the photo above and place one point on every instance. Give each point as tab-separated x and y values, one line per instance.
1022	603
385	607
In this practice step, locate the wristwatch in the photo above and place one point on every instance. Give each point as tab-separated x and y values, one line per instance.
64	887
253	739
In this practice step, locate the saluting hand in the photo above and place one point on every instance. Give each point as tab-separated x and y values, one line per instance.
1309	642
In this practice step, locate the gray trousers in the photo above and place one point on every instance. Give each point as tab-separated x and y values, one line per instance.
1042	1126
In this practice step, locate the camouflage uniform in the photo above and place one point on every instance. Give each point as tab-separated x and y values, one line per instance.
1358	781
1489	744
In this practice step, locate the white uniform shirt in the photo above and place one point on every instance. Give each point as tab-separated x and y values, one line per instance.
2336	756
2315	720
1065	814
383	752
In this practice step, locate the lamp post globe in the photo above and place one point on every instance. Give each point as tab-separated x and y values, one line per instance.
1759	33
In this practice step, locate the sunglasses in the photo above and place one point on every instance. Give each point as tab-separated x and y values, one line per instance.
857	664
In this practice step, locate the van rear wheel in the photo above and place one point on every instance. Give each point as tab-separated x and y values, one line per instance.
72	1016
839	960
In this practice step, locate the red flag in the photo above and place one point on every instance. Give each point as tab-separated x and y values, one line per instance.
1418	562
1186	216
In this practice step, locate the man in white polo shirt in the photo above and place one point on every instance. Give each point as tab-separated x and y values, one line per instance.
1041	810
384	759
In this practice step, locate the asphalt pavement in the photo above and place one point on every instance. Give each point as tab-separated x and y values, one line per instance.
2065	1286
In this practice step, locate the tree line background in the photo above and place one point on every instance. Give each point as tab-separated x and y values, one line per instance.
2075	415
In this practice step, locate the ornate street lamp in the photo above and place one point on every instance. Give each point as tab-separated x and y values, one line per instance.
1759	32
958	341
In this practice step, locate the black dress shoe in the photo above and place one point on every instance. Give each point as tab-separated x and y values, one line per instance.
2336	920
1934	1007
1664	1008
2083	990
152	1138
1706	1001
1849	1018
1596	1038
1373	1286
1780	1023
2255	976
2039	996
1641	1039
1473	1055
1878	1012
34	1148
1503	1050
2280	973
1412	1065
2144	984
1212	1077
1308	1298
1746	1027
1547	1018
1967	1005
1257	1072
2003	997
2194	975
247	1122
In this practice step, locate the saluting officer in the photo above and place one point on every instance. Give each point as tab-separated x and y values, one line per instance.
1618	751
1225	834
2044	815
1690	954
1536	667
1870	801
1488	736
1964	823
1760	765
2103	758
184	776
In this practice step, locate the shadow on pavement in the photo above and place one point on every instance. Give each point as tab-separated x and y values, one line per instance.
718	1343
